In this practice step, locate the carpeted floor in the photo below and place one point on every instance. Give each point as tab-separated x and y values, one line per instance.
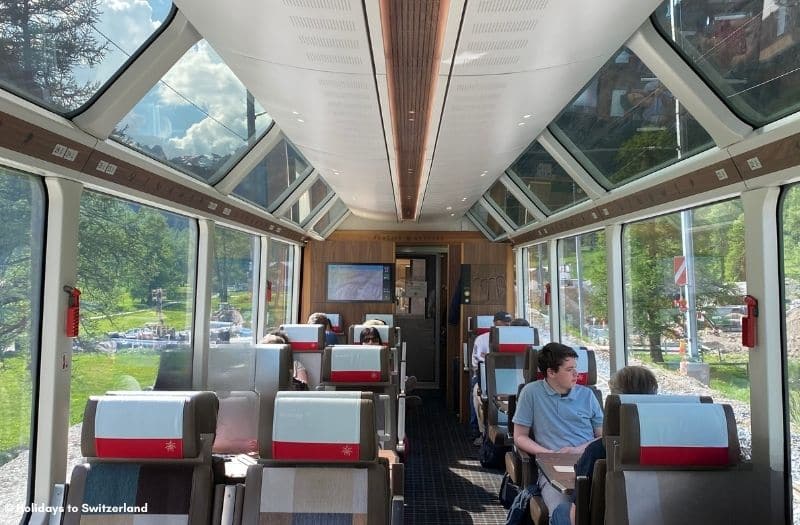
445	482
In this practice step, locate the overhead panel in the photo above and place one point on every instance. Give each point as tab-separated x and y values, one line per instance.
308	63
517	64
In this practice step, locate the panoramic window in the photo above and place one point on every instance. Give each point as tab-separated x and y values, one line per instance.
505	202
790	223
198	119
484	220
330	217
21	242
309	202
746	50
684	279
60	54
538	313
546	182
234	286
280	284
274	177
626	124
583	294
136	272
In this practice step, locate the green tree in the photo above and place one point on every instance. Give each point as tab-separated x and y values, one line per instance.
42	42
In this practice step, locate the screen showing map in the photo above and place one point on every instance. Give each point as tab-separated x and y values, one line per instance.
360	282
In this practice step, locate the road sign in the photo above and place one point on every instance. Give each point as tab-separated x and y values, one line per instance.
679	264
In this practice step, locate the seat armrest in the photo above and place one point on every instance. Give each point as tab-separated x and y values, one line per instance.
582	488
529	470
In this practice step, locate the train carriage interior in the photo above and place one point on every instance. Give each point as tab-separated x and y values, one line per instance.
247	248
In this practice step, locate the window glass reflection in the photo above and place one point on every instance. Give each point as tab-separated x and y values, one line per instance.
747	51
626	124
330	217
274	176
538	278
60	54
280	282
308	202
482	215
198	119
508	204
234	286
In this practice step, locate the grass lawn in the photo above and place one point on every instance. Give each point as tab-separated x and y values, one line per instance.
92	373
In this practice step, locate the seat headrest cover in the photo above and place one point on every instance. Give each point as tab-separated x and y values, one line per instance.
587	367
614	401
483	323
336	322
513	338
678	435
305	337
328	429
358	364
140	427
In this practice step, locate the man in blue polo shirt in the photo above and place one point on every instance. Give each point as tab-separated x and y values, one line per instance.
556	414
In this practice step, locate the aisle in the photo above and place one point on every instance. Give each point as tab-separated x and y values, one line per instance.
445	483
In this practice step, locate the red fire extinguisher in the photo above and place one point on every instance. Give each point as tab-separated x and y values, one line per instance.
73	311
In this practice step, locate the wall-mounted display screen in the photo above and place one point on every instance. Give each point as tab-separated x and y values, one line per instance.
364	282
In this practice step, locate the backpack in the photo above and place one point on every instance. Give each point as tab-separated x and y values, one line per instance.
508	491
492	456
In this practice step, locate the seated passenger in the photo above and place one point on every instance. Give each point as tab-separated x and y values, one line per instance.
519	322
299	374
555	414
370	336
320	318
628	380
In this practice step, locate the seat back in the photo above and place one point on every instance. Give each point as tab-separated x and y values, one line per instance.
387	333
336	322
514	339
307	342
480	324
174	370
355	365
231	367
503	377
144	459
611	421
325	467
678	463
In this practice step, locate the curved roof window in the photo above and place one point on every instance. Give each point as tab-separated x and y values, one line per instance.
748	51
60	55
508	204
485	221
309	202
545	181
198	119
626	124
277	175
330	217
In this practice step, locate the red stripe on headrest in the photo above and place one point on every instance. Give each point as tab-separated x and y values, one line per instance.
138	448
300	346
479	331
316	451
512	347
355	376
583	378
686	456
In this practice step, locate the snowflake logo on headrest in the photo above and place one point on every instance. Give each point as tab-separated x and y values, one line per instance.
347	451
170	446
374	375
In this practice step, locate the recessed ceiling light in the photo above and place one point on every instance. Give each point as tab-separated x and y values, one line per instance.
300	120
411	111
526	116
295	113
452	214
411	120
463	199
520	123
483	174
449	208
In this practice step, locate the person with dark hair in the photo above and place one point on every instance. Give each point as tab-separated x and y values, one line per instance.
519	321
628	380
555	414
370	336
299	374
320	318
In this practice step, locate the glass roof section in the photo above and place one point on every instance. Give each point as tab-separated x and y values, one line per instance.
330	217
309	202
508	204
198	119
626	124
274	177
481	216
545	181
748	51
60	54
